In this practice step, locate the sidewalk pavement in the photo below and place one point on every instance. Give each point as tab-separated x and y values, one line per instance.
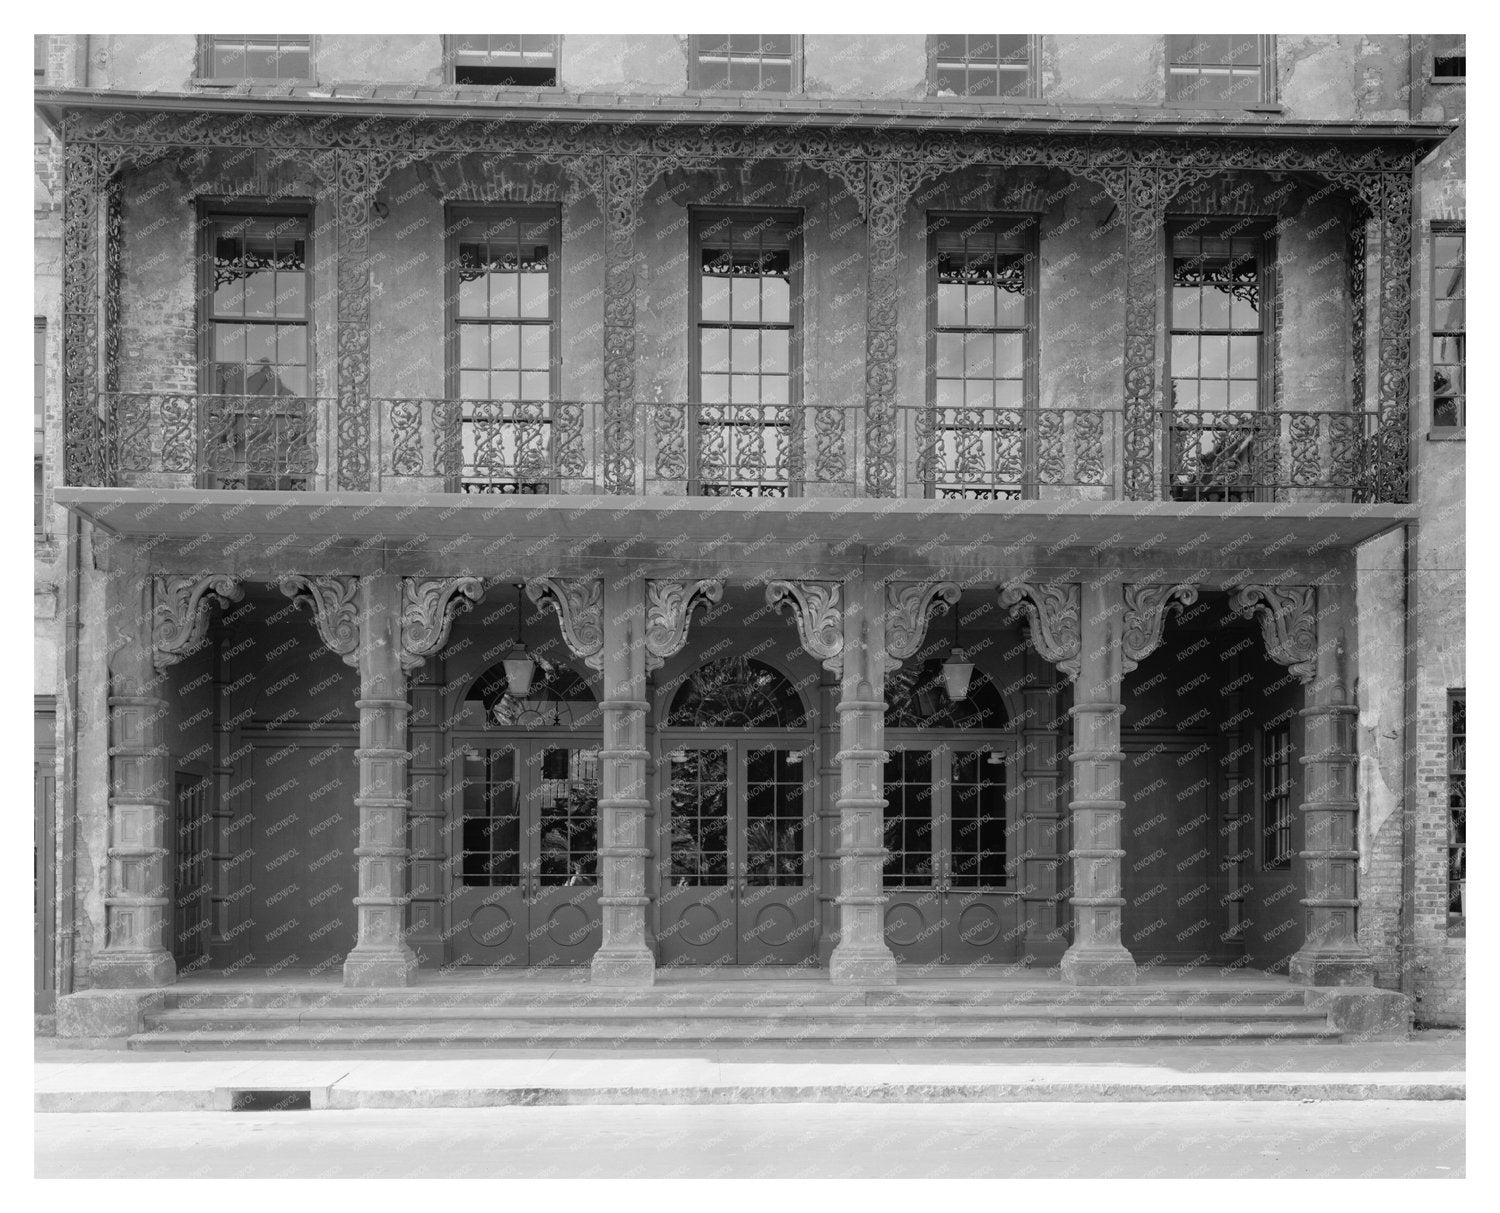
1428	1067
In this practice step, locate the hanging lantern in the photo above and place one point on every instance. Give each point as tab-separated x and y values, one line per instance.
957	670
520	668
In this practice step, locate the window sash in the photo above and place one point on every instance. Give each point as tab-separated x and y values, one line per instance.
267	336
982	65
233	57
1209	353
1276	790
1447	292
1229	68
746	63
1457	799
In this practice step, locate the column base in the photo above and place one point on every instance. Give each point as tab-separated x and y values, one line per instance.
874	967
1309	968
623	969
106	1013
1109	966
368	969
132	970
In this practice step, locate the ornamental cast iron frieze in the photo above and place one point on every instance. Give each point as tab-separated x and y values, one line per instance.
334	602
1054	616
618	161
428	608
579	603
909	607
180	614
815	608
669	608
1288	620
1146	609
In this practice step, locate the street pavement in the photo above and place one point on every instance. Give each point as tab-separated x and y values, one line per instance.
1296	1140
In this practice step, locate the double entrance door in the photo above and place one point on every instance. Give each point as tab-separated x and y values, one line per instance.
949	875
737	884
525	889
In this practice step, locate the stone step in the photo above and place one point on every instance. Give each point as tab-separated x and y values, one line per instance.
253	1016
728	995
690	1032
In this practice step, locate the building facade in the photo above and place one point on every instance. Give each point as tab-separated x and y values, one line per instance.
839	502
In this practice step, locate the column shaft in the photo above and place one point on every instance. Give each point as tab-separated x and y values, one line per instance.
137	897
1041	815
861	955
1096	956
381	956
1331	954
624	957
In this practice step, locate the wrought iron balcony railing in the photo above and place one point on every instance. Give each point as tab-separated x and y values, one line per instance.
212	441
757	450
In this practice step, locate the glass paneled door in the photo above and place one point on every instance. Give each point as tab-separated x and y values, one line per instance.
951	895
737	886
525	871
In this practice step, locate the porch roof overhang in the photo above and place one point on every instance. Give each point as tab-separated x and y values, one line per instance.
405	104
361	532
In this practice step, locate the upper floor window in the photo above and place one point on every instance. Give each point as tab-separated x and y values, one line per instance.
514	60
982	65
1458	798
39	54
745	63
271	57
1448	57
503	312
982	331
745	360
1448	372
39	418
1216	69
258	426
1276	797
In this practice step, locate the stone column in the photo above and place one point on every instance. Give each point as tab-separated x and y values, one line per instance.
1079	629
826	845
1041	815
844	626
604	624
1304	629
163	619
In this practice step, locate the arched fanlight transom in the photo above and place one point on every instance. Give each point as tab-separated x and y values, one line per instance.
915	698
737	693
557	698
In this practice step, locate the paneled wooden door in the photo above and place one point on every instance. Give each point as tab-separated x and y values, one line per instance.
525	890
737	887
950	848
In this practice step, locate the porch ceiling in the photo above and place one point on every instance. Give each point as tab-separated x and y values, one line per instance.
359	531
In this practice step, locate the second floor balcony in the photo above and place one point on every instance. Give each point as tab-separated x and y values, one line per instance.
424	446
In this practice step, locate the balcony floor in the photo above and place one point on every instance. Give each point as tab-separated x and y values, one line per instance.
389	530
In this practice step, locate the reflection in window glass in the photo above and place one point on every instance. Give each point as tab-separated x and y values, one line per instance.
1215	69
748	63
982	65
258	56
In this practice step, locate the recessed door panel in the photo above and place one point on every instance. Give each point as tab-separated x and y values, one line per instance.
949	856
526	872
698	912
738	885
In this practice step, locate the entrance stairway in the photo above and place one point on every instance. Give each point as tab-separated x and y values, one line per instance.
709	1011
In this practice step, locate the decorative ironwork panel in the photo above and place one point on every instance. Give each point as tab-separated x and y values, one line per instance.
83	182
258	442
354	198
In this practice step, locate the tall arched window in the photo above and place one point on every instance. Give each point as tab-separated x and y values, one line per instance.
737	693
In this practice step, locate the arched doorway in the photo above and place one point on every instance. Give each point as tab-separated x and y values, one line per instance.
952	818
738	793
525	802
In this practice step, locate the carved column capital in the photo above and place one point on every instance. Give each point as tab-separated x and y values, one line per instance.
1146	608
669	607
179	618
1053	615
816	608
1288	620
428	608
579	603
909	607
334	602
